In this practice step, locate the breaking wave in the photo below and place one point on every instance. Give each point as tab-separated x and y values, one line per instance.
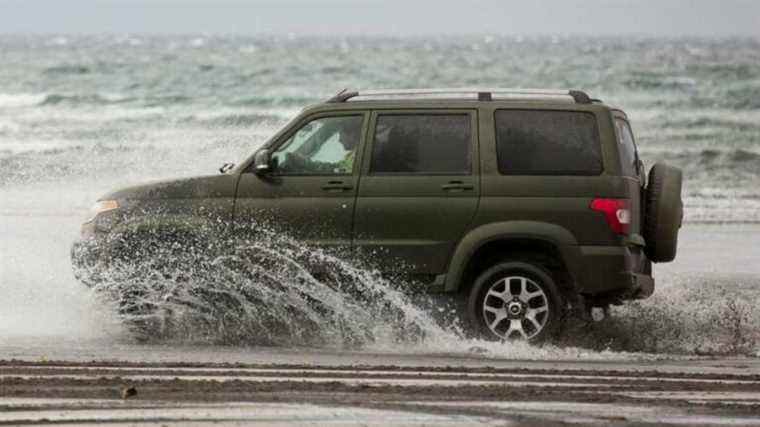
16	100
233	119
716	159
112	99
92	99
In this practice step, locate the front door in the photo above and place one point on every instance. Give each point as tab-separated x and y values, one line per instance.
419	188
311	191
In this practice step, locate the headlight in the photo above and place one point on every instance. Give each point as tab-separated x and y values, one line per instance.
102	206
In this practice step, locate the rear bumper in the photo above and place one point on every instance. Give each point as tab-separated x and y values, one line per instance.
642	285
617	272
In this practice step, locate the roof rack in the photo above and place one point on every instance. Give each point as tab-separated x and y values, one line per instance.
577	96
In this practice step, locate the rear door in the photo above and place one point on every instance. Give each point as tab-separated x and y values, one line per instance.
419	188
546	166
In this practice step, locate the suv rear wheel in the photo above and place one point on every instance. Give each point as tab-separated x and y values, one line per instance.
514	300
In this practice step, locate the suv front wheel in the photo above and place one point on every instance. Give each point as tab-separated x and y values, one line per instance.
514	300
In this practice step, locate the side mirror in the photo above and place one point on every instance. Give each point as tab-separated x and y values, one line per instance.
226	167
262	164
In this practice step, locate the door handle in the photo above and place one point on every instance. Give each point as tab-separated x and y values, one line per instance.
337	186
457	186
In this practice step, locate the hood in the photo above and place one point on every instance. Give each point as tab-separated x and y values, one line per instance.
211	186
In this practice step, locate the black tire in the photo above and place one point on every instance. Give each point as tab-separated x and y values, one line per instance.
664	212
537	278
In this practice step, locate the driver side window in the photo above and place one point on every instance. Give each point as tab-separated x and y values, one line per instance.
324	146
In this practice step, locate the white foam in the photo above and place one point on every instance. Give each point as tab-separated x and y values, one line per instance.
8	100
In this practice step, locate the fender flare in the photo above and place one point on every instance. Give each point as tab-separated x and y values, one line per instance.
559	237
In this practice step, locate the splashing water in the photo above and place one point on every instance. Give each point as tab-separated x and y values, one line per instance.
691	317
265	291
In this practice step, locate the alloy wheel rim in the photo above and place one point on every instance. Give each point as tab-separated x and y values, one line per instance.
515	307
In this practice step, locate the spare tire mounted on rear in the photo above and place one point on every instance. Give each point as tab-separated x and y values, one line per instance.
664	212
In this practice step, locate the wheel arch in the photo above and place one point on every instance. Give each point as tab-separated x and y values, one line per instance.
478	248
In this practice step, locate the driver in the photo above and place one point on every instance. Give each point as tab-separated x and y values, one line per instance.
349	138
348	135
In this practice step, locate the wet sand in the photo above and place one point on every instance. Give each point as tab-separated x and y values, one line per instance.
447	391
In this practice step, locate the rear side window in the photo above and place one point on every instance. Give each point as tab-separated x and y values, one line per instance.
532	142
422	144
626	147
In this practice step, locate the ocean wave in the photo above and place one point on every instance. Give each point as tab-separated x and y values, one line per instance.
67	69
92	99
650	81
157	100
725	158
164	100
274	100
233	119
745	98
84	99
740	99
733	71
20	100
725	209
710	122
737	163
15	100
744	160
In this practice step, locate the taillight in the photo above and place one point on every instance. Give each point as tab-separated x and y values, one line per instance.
616	211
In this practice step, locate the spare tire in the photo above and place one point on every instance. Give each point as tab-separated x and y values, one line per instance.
664	212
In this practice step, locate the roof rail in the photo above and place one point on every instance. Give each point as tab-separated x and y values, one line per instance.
577	96
343	96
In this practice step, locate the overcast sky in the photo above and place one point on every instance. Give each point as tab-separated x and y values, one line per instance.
399	17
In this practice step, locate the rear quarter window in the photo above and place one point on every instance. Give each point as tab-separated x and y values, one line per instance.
627	148
535	142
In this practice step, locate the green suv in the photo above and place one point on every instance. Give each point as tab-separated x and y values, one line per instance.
526	203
